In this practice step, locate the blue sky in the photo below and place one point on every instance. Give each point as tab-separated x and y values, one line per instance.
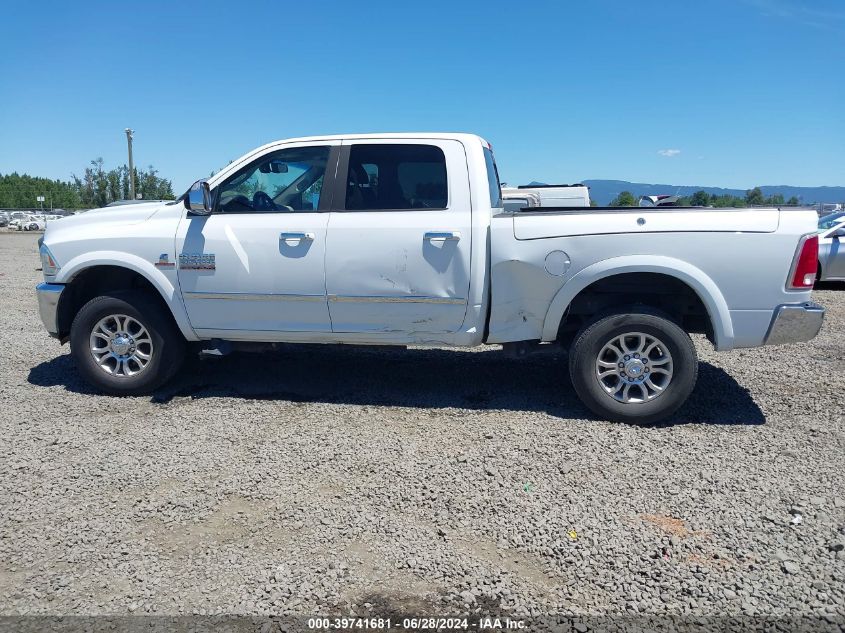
730	93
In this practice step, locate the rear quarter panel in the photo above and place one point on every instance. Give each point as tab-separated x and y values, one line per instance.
737	261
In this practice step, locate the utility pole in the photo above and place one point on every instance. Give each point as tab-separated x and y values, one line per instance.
129	134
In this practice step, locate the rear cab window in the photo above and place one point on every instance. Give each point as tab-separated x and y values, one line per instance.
493	179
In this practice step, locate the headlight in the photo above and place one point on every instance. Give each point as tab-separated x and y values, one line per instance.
48	263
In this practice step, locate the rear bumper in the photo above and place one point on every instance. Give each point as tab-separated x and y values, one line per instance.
793	323
48	305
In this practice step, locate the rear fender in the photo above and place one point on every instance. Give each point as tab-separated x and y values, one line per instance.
695	278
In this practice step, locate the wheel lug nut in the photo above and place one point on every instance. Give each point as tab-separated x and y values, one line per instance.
627	357
636	355
621	365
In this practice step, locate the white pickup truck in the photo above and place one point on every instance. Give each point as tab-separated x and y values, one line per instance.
402	239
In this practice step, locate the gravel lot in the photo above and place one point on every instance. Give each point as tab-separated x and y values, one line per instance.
331	480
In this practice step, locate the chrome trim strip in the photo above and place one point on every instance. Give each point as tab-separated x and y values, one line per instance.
395	299
48	305
794	323
253	296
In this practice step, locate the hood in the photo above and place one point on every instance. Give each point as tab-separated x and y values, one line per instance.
124	214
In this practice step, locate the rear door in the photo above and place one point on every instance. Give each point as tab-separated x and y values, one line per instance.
398	245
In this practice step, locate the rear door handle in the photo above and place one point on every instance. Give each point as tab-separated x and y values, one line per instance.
442	236
297	236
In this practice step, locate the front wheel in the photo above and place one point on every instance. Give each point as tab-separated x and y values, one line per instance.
634	367
125	344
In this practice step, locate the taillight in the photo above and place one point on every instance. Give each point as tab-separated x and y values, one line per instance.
805	264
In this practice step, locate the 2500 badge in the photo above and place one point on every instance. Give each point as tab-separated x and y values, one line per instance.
197	261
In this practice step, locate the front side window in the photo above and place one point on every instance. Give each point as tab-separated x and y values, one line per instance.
284	181
396	177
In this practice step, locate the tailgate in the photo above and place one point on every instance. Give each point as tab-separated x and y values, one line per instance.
539	225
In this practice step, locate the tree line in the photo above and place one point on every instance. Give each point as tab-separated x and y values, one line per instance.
753	197
96	187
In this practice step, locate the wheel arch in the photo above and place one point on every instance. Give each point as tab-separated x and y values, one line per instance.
694	278
100	272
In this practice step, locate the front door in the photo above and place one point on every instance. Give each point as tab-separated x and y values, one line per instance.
398	246
257	263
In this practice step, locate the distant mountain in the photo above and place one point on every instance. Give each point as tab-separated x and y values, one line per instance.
603	191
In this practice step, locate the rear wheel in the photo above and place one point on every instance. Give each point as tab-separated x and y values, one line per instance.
635	367
124	344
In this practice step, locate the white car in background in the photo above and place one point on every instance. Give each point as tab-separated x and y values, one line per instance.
659	201
515	200
552	195
34	224
831	255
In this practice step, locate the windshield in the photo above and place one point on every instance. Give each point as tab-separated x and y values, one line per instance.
829	221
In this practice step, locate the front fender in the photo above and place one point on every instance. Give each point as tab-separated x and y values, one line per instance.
156	277
695	278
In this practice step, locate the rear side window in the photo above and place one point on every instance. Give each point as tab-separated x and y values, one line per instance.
493	179
396	177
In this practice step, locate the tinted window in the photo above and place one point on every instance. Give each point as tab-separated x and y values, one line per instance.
287	180
396	177
493	179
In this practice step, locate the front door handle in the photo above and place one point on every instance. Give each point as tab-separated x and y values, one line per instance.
299	237
442	236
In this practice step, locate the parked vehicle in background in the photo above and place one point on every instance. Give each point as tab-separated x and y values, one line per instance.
516	200
34	224
15	217
403	239
4	222
659	201
831	251
553	195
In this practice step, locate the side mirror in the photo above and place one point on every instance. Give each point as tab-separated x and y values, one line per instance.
198	200
840	232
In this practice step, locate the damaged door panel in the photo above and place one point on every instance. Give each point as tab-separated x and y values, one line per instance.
399	238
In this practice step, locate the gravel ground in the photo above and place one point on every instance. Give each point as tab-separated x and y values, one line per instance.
337	480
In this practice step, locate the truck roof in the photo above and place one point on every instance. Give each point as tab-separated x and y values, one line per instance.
577	184
458	136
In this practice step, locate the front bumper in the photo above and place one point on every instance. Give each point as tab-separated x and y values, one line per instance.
48	305
794	323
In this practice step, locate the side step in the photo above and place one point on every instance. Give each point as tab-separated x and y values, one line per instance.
522	349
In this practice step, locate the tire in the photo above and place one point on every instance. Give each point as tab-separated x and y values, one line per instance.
658	383
123	370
